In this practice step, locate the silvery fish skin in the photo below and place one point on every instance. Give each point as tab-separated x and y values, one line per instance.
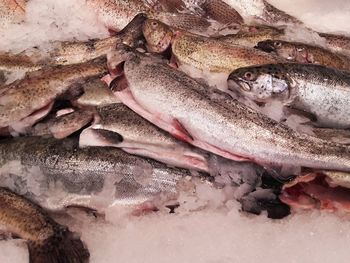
118	126
202	52
47	240
337	43
11	11
167	97
261	11
304	53
57	174
39	89
319	90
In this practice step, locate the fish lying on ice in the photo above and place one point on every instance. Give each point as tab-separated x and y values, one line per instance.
118	126
200	56
25	101
305	53
116	14
70	52
57	174
178	104
48	241
321	91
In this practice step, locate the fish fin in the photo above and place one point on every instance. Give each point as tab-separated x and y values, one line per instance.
220	11
109	136
181	133
63	247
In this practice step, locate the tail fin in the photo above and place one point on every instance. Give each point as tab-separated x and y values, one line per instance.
63	247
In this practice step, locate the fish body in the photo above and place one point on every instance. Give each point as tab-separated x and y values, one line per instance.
48	241
319	90
118	126
180	105
201	52
250	35
337	43
304	53
39	89
57	173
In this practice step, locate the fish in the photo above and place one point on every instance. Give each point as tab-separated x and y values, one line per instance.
56	173
250	35
261	11
201	52
71	52
116	14
48	241
305	53
11	11
316	89
34	95
215	122
337	43
118	126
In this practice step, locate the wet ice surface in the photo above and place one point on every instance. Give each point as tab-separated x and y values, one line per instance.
206	228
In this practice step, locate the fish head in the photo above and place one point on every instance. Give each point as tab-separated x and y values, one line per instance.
281	48
259	83
158	35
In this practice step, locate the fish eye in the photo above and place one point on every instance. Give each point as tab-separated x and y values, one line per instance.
277	44
154	23
249	75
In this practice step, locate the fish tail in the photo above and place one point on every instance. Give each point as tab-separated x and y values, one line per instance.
63	247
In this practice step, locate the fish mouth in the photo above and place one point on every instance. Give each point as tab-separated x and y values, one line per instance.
264	46
238	85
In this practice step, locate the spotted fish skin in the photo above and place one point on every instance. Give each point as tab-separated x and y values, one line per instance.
47	240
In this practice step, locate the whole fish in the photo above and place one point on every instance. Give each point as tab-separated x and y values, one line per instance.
47	240
304	53
118	126
57	173
337	43
11	11
324	92
72	52
178	104
38	90
201	56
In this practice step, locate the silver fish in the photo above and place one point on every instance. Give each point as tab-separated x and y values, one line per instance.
118	126
322	91
56	174
187	110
